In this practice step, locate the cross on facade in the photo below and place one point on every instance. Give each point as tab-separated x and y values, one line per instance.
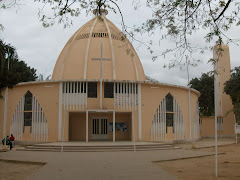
101	59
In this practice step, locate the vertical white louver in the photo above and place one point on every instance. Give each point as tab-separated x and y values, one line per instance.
39	127
179	127
159	123
125	96
75	95
39	123
17	122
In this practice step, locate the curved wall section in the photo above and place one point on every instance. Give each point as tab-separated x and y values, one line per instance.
29	113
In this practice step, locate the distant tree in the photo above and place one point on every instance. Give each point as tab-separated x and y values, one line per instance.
232	87
13	70
41	77
205	85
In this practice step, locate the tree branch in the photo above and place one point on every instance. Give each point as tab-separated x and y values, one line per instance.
225	8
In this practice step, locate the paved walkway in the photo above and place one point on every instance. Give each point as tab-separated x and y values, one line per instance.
101	165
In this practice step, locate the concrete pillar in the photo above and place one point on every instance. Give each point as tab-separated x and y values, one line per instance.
139	113
113	126
86	126
60	111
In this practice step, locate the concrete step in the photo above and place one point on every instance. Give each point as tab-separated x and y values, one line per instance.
105	146
94	150
100	148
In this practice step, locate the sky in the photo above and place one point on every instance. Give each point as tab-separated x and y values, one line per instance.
39	47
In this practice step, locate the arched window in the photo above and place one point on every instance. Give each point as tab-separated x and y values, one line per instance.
169	111
28	109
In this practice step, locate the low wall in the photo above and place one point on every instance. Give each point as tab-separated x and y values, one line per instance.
207	128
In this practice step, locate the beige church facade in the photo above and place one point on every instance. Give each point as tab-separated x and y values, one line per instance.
98	92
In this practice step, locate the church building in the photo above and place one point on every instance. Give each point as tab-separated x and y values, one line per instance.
99	92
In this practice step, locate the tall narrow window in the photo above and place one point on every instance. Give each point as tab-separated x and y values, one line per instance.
169	111
92	90
169	103
28	109
108	89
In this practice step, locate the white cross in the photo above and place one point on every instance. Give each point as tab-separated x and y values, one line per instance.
101	59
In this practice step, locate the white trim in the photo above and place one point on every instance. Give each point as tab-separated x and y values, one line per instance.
87	49
139	113
86	94
124	96
86	126
70	94
80	99
60	111
107	80
112	49
113	126
68	49
133	131
74	92
134	62
100	110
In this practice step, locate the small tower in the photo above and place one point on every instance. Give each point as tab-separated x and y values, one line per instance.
100	12
224	105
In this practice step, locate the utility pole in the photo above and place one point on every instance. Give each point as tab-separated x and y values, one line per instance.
189	103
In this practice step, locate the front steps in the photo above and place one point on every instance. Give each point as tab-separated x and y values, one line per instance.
99	147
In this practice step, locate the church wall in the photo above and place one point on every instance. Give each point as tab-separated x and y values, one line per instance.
77	126
152	95
123	118
208	127
47	96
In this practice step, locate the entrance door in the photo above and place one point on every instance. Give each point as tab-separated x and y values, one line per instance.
99	128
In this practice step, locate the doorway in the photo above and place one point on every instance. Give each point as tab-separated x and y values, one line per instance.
99	128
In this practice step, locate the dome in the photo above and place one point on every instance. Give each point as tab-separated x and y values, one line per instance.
80	58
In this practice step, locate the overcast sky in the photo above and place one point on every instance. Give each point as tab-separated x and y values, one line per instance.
39	47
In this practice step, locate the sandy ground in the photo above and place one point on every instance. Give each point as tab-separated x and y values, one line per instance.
204	167
16	170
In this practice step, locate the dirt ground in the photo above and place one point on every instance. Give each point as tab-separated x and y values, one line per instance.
204	167
16	170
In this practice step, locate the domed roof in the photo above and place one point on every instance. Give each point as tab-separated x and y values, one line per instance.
79	58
